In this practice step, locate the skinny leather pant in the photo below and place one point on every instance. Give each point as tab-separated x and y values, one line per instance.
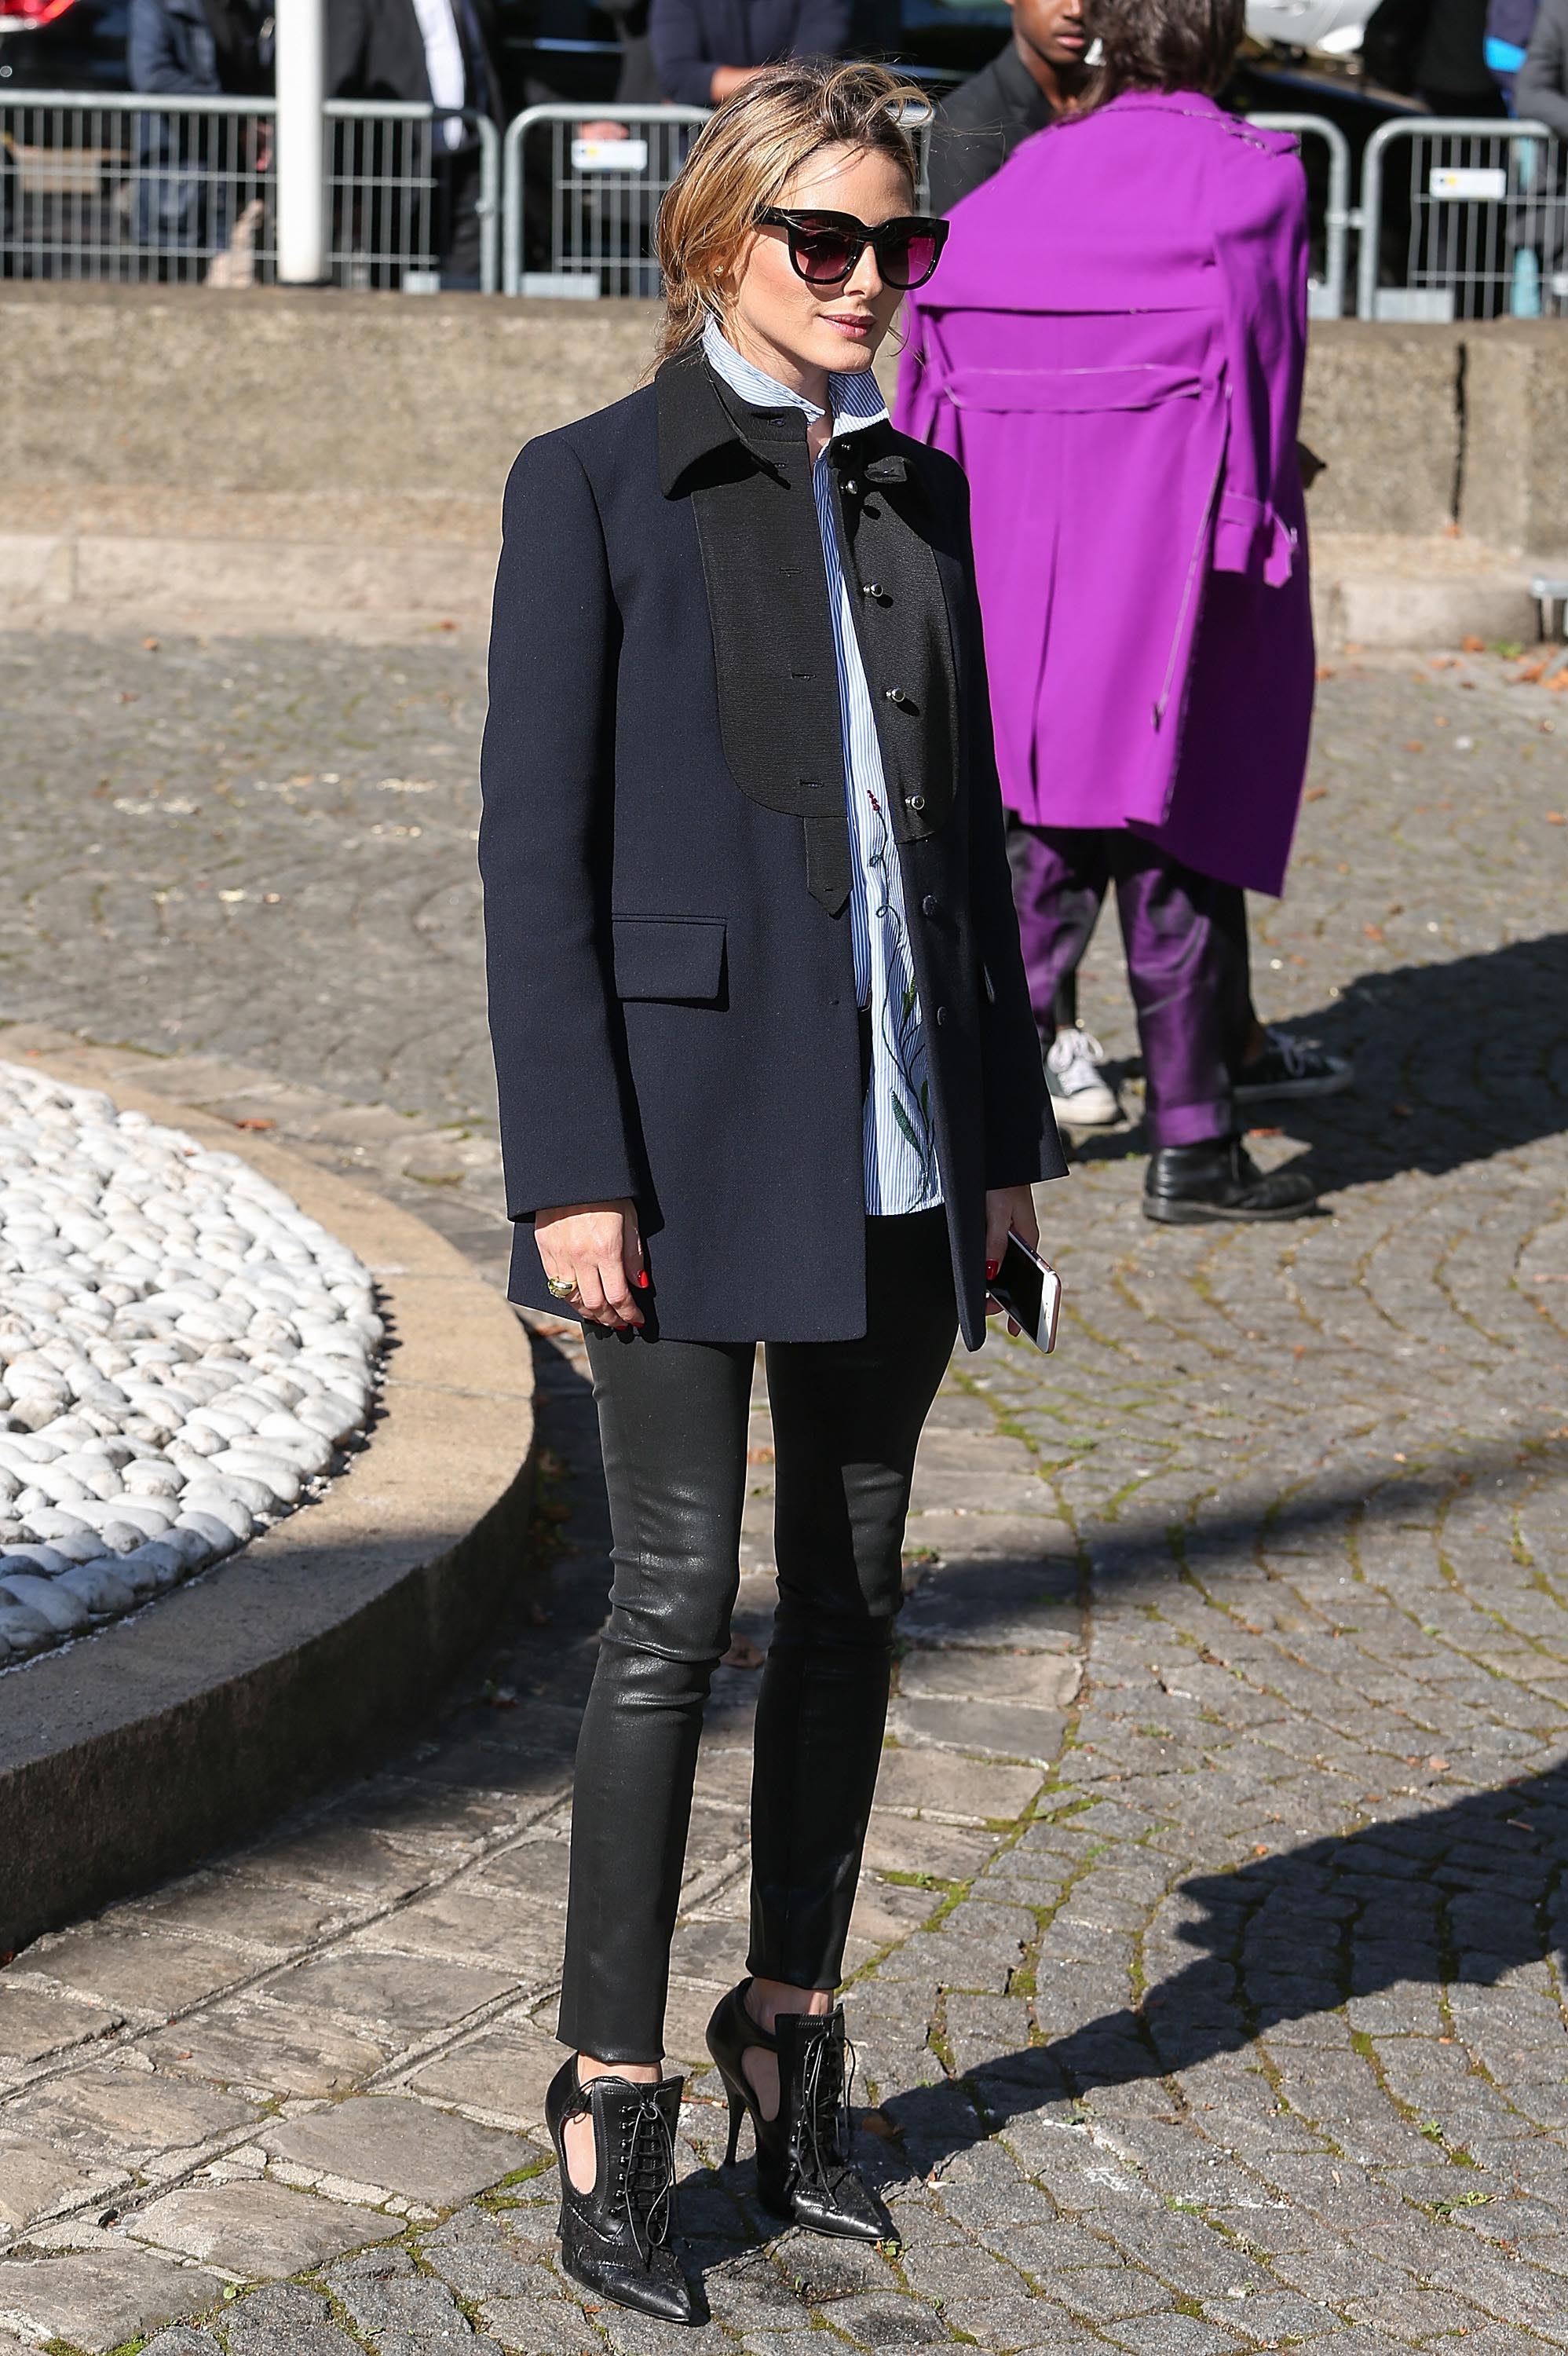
1185	936
673	1419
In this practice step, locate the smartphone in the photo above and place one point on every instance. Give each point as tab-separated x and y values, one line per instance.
1030	1291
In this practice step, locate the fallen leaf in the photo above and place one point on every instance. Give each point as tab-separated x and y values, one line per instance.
1530	673
1555	817
1402	1112
1473	646
878	2124
1414	745
1438	1766
254	1120
1324	671
759	1455
151	645
1373	932
1316	794
1260	1848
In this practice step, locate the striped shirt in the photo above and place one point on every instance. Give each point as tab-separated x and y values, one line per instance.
899	1142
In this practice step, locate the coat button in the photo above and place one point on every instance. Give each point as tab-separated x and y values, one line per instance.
895	695
930	906
942	1015
850	485
871	588
917	801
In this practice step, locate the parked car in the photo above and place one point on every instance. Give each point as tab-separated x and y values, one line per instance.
62	45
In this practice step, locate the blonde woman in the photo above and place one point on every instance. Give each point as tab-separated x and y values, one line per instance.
767	1073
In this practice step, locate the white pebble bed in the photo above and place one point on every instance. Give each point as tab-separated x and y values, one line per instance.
183	1353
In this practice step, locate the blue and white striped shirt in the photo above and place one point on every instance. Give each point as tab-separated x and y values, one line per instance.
900	1141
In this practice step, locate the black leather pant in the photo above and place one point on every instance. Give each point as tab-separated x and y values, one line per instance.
673	1417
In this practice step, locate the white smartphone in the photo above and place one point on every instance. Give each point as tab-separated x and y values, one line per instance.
1030	1291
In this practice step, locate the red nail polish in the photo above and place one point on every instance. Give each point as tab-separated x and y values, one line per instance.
642	1280
993	1268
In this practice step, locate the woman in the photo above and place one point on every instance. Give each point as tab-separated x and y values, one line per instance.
1123	392
767	1072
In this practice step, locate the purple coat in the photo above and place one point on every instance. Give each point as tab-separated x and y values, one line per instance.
1113	350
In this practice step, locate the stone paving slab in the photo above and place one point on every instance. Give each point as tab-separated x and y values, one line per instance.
1238	2024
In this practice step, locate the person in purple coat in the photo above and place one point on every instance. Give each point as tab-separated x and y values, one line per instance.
1113	352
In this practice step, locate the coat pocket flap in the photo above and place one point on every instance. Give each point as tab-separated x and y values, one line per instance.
1143	385
669	957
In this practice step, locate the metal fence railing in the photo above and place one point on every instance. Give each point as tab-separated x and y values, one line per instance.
579	213
127	189
1328	202
1469	222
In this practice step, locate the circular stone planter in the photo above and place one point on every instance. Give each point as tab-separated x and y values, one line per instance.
134	1750
183	1351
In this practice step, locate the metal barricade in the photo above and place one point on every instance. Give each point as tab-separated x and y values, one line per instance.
130	187
579	213
1471	224
1325	294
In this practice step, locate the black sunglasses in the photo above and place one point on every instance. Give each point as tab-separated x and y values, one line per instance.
825	248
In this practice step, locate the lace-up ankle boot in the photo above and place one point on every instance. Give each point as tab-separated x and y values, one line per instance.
804	2168
618	2240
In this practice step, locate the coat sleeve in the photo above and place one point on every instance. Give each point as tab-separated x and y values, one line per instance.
680	59
1261	243
1021	1140
545	773
1541	93
153	57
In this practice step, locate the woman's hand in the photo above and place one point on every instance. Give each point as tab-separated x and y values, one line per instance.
1010	1210
595	1247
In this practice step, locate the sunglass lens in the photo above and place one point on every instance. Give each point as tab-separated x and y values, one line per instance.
909	261
823	255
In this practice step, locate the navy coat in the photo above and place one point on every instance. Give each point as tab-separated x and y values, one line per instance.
665	854
690	38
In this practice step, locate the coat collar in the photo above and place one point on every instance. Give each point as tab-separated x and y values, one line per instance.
698	417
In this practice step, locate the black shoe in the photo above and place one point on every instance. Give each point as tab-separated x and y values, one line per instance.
804	2168
1292	1069
1186	1185
616	2239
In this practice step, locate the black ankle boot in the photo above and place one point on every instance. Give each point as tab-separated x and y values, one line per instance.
617	2240
804	2168
1185	1184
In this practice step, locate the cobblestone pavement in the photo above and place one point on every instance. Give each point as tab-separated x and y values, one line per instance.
1208	1955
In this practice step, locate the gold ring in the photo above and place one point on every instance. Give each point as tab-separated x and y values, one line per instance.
561	1288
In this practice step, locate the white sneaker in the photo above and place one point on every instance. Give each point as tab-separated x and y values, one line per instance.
1080	1094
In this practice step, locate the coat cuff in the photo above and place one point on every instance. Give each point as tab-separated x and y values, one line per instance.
1250	537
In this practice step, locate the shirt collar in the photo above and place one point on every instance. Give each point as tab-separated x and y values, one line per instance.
855	396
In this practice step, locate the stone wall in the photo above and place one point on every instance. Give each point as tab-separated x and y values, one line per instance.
273	392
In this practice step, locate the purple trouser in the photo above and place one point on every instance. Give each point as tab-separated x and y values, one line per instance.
1185	937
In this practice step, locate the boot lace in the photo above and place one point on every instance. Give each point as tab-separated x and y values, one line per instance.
647	2175
826	2081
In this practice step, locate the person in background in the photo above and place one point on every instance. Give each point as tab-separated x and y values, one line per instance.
1541	93
1509	24
1452	73
1113	352
186	166
1027	84
705	50
439	52
1038	77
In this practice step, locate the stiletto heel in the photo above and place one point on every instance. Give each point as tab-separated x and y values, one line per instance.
737	2109
804	2168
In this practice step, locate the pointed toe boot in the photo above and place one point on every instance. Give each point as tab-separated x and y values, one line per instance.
620	2240
804	2168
